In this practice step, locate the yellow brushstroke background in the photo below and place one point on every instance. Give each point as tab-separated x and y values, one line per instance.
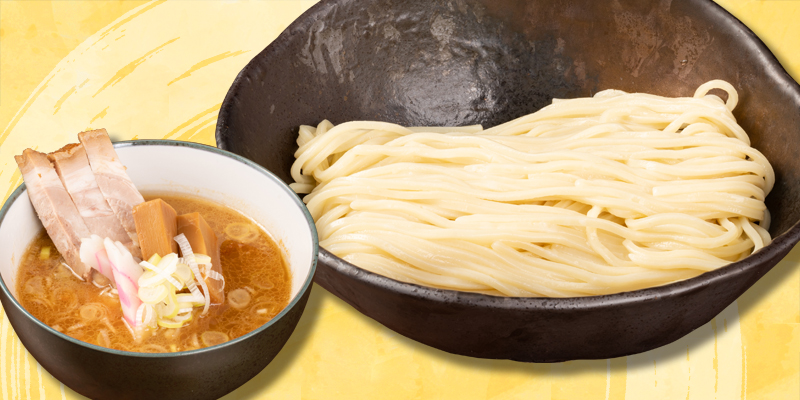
161	69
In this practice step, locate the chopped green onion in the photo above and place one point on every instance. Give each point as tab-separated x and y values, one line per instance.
169	307
164	271
183	273
152	294
191	299
154	259
45	253
165	323
186	250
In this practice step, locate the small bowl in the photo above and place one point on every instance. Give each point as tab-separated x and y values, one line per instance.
208	373
420	62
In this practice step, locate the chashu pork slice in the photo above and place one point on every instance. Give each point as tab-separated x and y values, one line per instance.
55	208
76	175
111	178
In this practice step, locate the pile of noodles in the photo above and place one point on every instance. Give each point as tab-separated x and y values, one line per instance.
586	196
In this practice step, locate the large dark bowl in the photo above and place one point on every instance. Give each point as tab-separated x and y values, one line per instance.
208	373
420	62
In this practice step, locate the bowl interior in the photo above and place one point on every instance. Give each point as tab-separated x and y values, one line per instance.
207	173
196	170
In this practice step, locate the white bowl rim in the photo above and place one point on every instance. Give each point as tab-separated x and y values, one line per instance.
177	143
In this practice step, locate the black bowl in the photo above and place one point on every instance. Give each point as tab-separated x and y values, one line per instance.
418	62
208	373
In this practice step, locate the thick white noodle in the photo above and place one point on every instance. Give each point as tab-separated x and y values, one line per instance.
586	196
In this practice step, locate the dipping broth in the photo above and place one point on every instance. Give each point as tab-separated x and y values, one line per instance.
257	287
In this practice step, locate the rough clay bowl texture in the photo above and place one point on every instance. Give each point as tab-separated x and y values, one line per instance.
418	62
208	373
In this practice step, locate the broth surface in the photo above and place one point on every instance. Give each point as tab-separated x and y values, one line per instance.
251	262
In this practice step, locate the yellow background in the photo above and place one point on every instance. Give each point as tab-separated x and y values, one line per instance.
161	70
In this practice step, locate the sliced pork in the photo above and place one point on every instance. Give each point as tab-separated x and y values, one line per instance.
111	178
55	208
76	175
